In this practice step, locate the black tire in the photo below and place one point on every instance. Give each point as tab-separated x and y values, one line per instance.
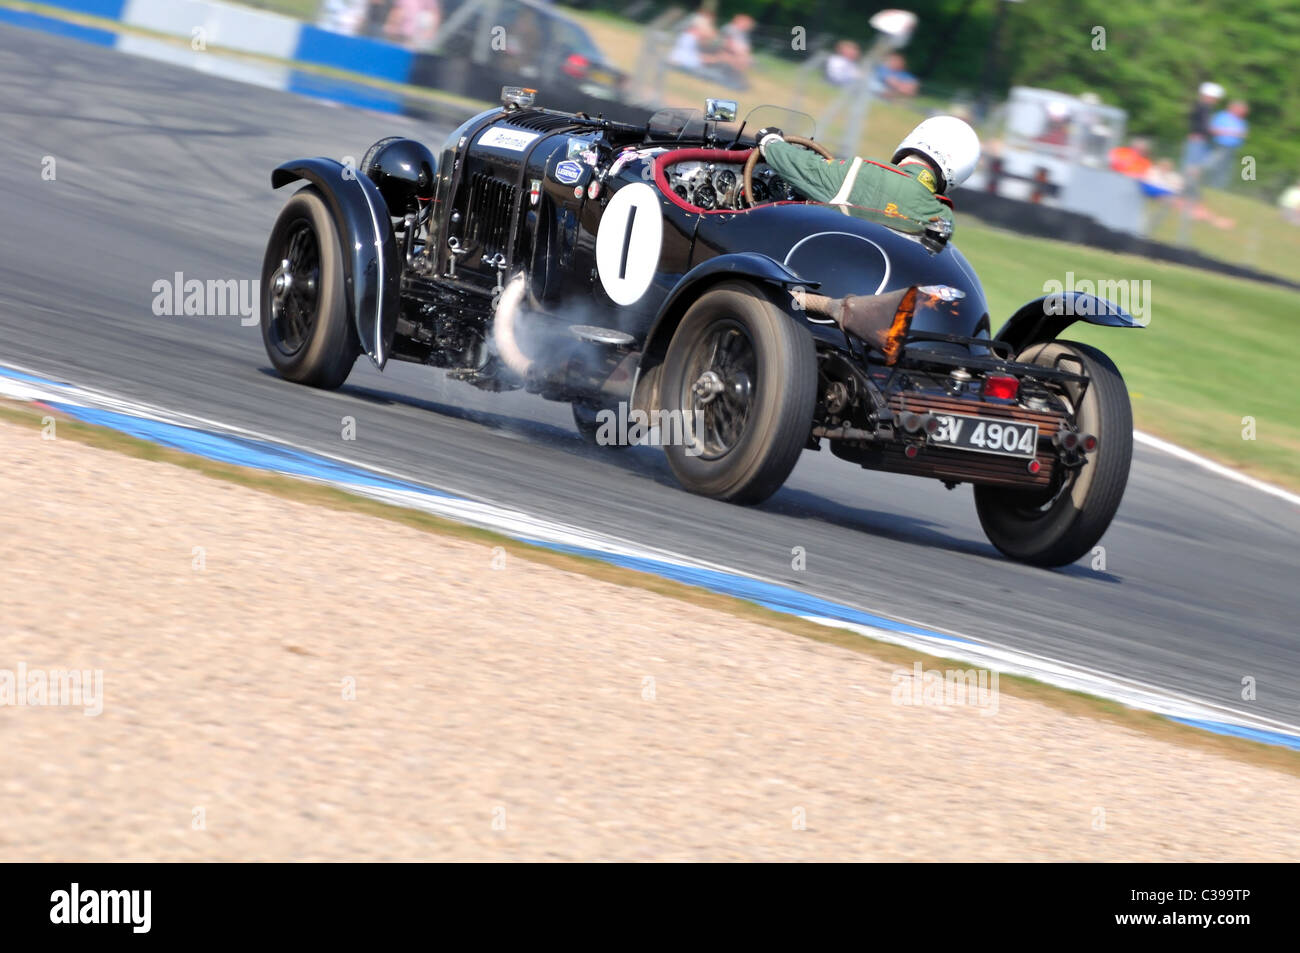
1032	527
305	325
757	424
585	419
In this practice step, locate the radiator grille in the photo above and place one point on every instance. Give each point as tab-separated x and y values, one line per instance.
491	204
544	122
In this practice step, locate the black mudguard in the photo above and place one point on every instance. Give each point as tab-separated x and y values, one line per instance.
760	269
372	266
1043	319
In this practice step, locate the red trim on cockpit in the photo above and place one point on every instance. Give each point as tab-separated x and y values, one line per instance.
665	159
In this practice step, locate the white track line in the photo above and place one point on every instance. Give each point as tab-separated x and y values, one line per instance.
1205	463
518	524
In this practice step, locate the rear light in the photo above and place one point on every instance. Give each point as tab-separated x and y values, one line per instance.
1034	466
911	450
1001	387
575	65
1089	443
1069	440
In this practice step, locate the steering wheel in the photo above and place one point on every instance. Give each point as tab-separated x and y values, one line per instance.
754	156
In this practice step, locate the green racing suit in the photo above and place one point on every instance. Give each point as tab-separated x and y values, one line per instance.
902	197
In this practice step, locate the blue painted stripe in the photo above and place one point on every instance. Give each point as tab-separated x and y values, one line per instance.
20	376
767	594
358	54
260	455
73	31
341	91
108	9
240	451
1239	731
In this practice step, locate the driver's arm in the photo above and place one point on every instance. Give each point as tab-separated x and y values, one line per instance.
817	178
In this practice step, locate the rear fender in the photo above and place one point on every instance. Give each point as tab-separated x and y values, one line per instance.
372	266
1044	318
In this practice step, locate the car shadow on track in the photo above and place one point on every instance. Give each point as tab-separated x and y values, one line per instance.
885	524
649	463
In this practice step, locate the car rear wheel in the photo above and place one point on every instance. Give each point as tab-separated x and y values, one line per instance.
305	325
1057	527
740	379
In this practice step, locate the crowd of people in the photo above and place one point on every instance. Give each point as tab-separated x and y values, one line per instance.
1217	128
723	55
889	79
726	55
412	23
1216	133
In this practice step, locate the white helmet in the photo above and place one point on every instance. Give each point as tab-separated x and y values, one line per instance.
950	143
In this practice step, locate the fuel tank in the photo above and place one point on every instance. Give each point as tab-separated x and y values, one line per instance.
851	256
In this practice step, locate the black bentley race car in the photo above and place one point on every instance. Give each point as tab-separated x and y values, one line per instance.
662	272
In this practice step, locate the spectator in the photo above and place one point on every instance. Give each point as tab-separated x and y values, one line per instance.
1228	131
842	66
1162	180
893	81
737	53
413	23
1133	160
344	16
693	50
1197	148
377	16
699	49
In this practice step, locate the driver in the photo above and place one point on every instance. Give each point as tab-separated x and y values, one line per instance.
908	194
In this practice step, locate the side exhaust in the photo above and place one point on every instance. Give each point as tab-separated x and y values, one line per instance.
881	320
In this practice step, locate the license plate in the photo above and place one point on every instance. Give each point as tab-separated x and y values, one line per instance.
986	435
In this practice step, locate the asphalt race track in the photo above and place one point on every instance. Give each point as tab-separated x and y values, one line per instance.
162	170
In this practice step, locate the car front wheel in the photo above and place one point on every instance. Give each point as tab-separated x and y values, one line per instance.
305	325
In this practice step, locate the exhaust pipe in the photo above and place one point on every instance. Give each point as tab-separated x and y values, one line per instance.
880	320
508	309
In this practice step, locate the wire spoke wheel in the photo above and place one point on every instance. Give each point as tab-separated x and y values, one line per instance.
307	328
718	389
1058	524
295	287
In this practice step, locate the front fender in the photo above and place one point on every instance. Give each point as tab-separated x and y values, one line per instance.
750	265
1044	318
372	267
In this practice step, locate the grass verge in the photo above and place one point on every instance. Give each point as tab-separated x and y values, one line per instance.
1068	702
1218	349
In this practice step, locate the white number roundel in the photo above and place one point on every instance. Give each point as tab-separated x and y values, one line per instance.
627	242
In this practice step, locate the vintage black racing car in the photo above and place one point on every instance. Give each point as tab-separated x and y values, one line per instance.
664	270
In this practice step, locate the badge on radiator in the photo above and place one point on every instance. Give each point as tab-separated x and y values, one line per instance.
568	172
